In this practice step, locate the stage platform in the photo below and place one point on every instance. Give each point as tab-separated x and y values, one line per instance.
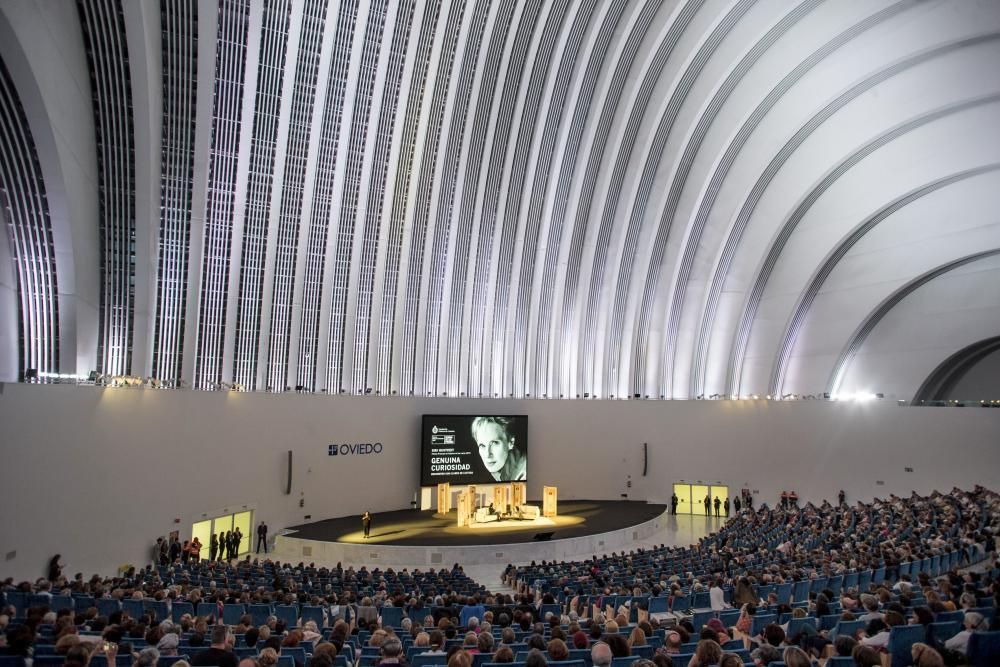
416	538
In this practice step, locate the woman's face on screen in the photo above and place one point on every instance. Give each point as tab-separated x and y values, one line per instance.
494	446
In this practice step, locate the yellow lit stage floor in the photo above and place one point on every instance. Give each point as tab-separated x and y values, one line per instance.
577	518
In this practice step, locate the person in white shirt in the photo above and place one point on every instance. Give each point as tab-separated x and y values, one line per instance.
960	642
877	634
717	596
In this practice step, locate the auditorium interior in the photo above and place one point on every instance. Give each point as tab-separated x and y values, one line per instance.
449	333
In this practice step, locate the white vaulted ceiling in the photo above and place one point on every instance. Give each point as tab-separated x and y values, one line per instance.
502	197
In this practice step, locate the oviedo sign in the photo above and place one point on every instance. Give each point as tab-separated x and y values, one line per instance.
355	449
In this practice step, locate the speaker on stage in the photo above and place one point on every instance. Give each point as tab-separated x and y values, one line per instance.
543	537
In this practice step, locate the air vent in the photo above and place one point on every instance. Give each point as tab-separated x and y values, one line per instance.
436	559
498	554
307	551
635	535
11	555
879	482
373	556
601	543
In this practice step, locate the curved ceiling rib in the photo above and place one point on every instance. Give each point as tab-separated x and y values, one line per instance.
512	233
545	371
569	323
833	258
620	372
642	190
680	179
779	160
603	380
710	191
788	228
872	320
533	218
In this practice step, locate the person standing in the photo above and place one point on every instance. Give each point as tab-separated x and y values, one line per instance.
718	504
737	505
366	523
716	595
156	550
213	548
841	497
262	536
237	542
196	550
725	506
223	545
708	504
55	568
673	504
175	549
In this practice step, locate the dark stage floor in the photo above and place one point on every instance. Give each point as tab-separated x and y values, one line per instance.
577	518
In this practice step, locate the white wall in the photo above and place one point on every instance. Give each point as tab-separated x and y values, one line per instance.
96	474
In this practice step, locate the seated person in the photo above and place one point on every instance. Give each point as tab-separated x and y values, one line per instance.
973	621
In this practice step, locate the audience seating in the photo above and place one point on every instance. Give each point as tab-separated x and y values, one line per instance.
840	661
938	534
984	649
901	641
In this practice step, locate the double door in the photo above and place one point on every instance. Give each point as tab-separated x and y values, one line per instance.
691	498
204	530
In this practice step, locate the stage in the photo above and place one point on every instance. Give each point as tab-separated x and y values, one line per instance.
577	518
416	538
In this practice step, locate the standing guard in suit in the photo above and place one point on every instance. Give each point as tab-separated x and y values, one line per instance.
262	536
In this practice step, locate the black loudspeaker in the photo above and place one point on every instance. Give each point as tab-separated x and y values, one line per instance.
645	458
288	485
543	537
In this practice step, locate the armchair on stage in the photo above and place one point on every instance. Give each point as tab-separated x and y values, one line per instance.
509	503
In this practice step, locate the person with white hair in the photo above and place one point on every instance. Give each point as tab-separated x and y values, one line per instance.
391	652
973	621
147	657
310	632
600	655
167	646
